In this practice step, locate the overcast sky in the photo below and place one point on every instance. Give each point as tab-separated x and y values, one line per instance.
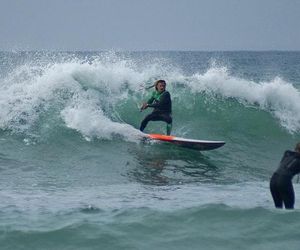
150	25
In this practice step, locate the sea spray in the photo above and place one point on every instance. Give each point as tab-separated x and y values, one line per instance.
98	87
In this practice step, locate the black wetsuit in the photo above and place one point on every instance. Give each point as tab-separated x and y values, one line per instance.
281	181
162	105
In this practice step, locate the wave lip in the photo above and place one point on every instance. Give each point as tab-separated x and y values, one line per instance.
278	97
79	94
84	94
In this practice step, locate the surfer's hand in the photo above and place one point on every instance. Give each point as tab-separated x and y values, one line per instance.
144	106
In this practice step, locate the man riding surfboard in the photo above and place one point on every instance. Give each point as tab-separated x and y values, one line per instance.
160	101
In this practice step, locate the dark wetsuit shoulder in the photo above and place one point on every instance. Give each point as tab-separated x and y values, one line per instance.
289	164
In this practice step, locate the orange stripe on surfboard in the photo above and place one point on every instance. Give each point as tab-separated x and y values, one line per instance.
161	137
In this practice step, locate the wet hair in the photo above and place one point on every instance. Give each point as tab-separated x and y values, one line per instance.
159	81
297	147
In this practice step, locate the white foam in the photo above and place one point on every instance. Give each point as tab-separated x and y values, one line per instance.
86	93
83	90
279	97
91	122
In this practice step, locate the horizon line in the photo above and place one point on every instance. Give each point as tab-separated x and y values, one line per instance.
149	50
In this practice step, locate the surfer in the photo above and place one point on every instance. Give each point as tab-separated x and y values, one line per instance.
161	102
281	181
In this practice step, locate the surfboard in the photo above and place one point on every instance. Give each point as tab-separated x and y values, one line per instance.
187	143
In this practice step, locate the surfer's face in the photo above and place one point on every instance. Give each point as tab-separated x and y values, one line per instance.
161	87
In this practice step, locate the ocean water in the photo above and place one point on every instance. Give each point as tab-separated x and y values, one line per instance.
74	173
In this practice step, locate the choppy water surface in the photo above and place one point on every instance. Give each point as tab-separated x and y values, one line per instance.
74	173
